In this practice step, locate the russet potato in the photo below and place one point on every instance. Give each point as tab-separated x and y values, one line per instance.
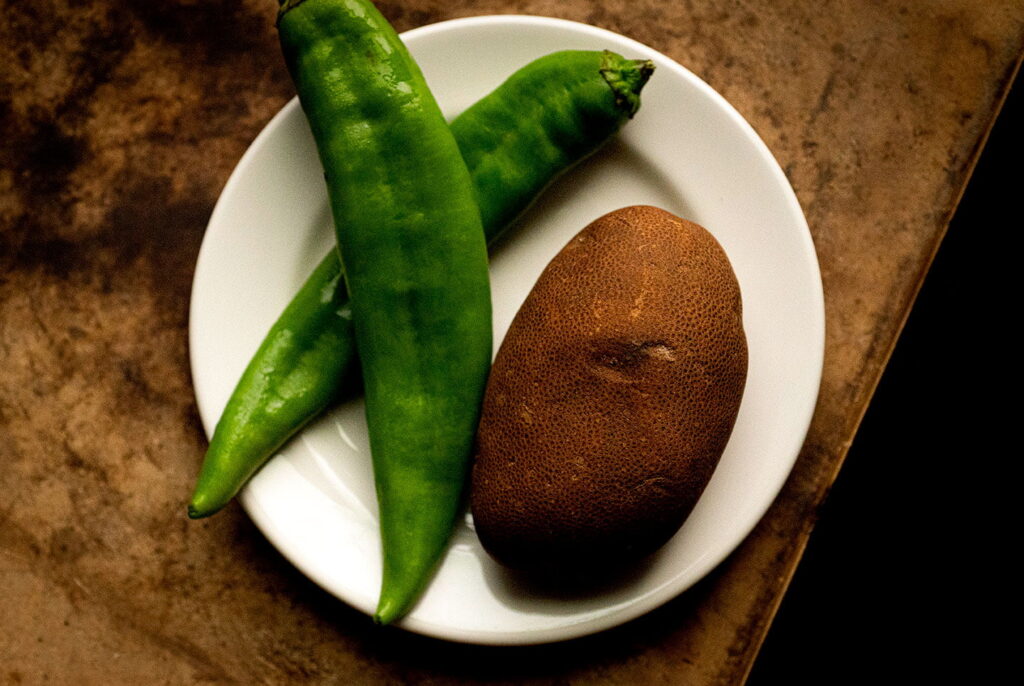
612	396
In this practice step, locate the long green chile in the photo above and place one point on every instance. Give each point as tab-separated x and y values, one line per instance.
415	263
543	120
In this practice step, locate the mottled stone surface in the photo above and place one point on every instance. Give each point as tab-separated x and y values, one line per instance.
120	121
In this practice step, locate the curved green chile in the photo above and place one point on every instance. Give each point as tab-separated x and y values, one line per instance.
549	115
415	263
292	377
307	361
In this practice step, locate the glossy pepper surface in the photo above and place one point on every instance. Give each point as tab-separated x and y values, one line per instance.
415	264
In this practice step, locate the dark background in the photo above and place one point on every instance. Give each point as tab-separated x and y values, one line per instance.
903	577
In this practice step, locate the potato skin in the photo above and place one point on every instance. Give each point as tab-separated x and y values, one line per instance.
612	396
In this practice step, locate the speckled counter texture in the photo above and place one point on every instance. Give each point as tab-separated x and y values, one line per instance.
120	121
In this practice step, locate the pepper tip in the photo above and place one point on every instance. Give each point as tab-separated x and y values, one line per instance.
197	511
387	612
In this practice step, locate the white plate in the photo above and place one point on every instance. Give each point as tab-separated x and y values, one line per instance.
687	151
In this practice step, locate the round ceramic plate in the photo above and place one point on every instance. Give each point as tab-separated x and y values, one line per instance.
687	151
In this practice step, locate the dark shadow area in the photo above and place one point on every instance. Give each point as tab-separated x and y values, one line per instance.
905	576
590	579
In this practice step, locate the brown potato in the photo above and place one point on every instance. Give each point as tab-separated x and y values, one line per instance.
612	397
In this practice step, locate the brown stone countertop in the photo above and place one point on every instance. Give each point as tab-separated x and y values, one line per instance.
119	124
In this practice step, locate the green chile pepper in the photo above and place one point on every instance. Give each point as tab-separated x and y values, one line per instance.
415	264
544	119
